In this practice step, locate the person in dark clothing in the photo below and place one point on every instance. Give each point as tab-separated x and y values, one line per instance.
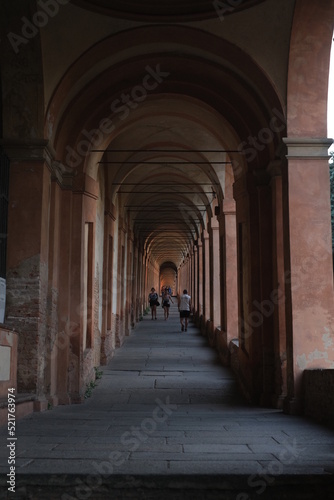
153	300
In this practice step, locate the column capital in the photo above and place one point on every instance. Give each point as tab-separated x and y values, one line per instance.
27	150
39	150
205	235
228	206
307	148
110	209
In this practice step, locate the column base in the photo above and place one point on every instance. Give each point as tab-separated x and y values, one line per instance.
292	406
278	401
64	399
41	405
76	398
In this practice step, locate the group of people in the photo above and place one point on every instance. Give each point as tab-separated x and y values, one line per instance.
184	305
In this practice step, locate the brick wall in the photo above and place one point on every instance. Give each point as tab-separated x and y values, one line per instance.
88	372
52	320
108	343
26	313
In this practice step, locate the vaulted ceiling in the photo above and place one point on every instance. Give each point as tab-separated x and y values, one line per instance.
181	100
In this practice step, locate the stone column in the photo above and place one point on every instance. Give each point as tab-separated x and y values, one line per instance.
250	319
263	304
310	278
231	271
189	274
215	277
129	282
27	260
51	350
140	282
134	297
65	330
191	287
82	287
108	327
121	285
278	297
195	280
200	278
206	268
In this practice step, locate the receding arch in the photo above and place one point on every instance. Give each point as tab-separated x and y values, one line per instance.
308	74
210	80
174	11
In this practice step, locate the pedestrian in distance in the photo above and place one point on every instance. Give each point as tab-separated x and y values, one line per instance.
153	300
166	299
184	304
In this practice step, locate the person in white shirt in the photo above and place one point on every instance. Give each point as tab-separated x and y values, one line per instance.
184	303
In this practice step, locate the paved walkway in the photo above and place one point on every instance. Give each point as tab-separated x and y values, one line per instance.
165	407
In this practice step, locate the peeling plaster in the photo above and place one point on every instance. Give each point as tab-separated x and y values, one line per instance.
316	354
302	362
327	339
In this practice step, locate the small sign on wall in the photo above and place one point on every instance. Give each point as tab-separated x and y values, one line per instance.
2	299
5	352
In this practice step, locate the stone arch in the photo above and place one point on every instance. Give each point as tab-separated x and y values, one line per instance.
308	74
248	109
171	12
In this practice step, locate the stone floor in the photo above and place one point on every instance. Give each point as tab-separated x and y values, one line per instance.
166	421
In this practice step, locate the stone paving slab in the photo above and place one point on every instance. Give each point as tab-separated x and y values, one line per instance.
204	456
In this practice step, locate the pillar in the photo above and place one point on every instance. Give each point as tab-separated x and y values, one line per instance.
27	260
229	306
200	278
215	274
121	282
310	277
65	330
206	269
263	303
195	280
278	297
129	306
51	351
108	326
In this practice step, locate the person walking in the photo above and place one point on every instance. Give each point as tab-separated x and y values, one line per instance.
153	300
166	298
184	304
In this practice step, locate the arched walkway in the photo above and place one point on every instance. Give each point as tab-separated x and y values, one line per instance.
190	152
